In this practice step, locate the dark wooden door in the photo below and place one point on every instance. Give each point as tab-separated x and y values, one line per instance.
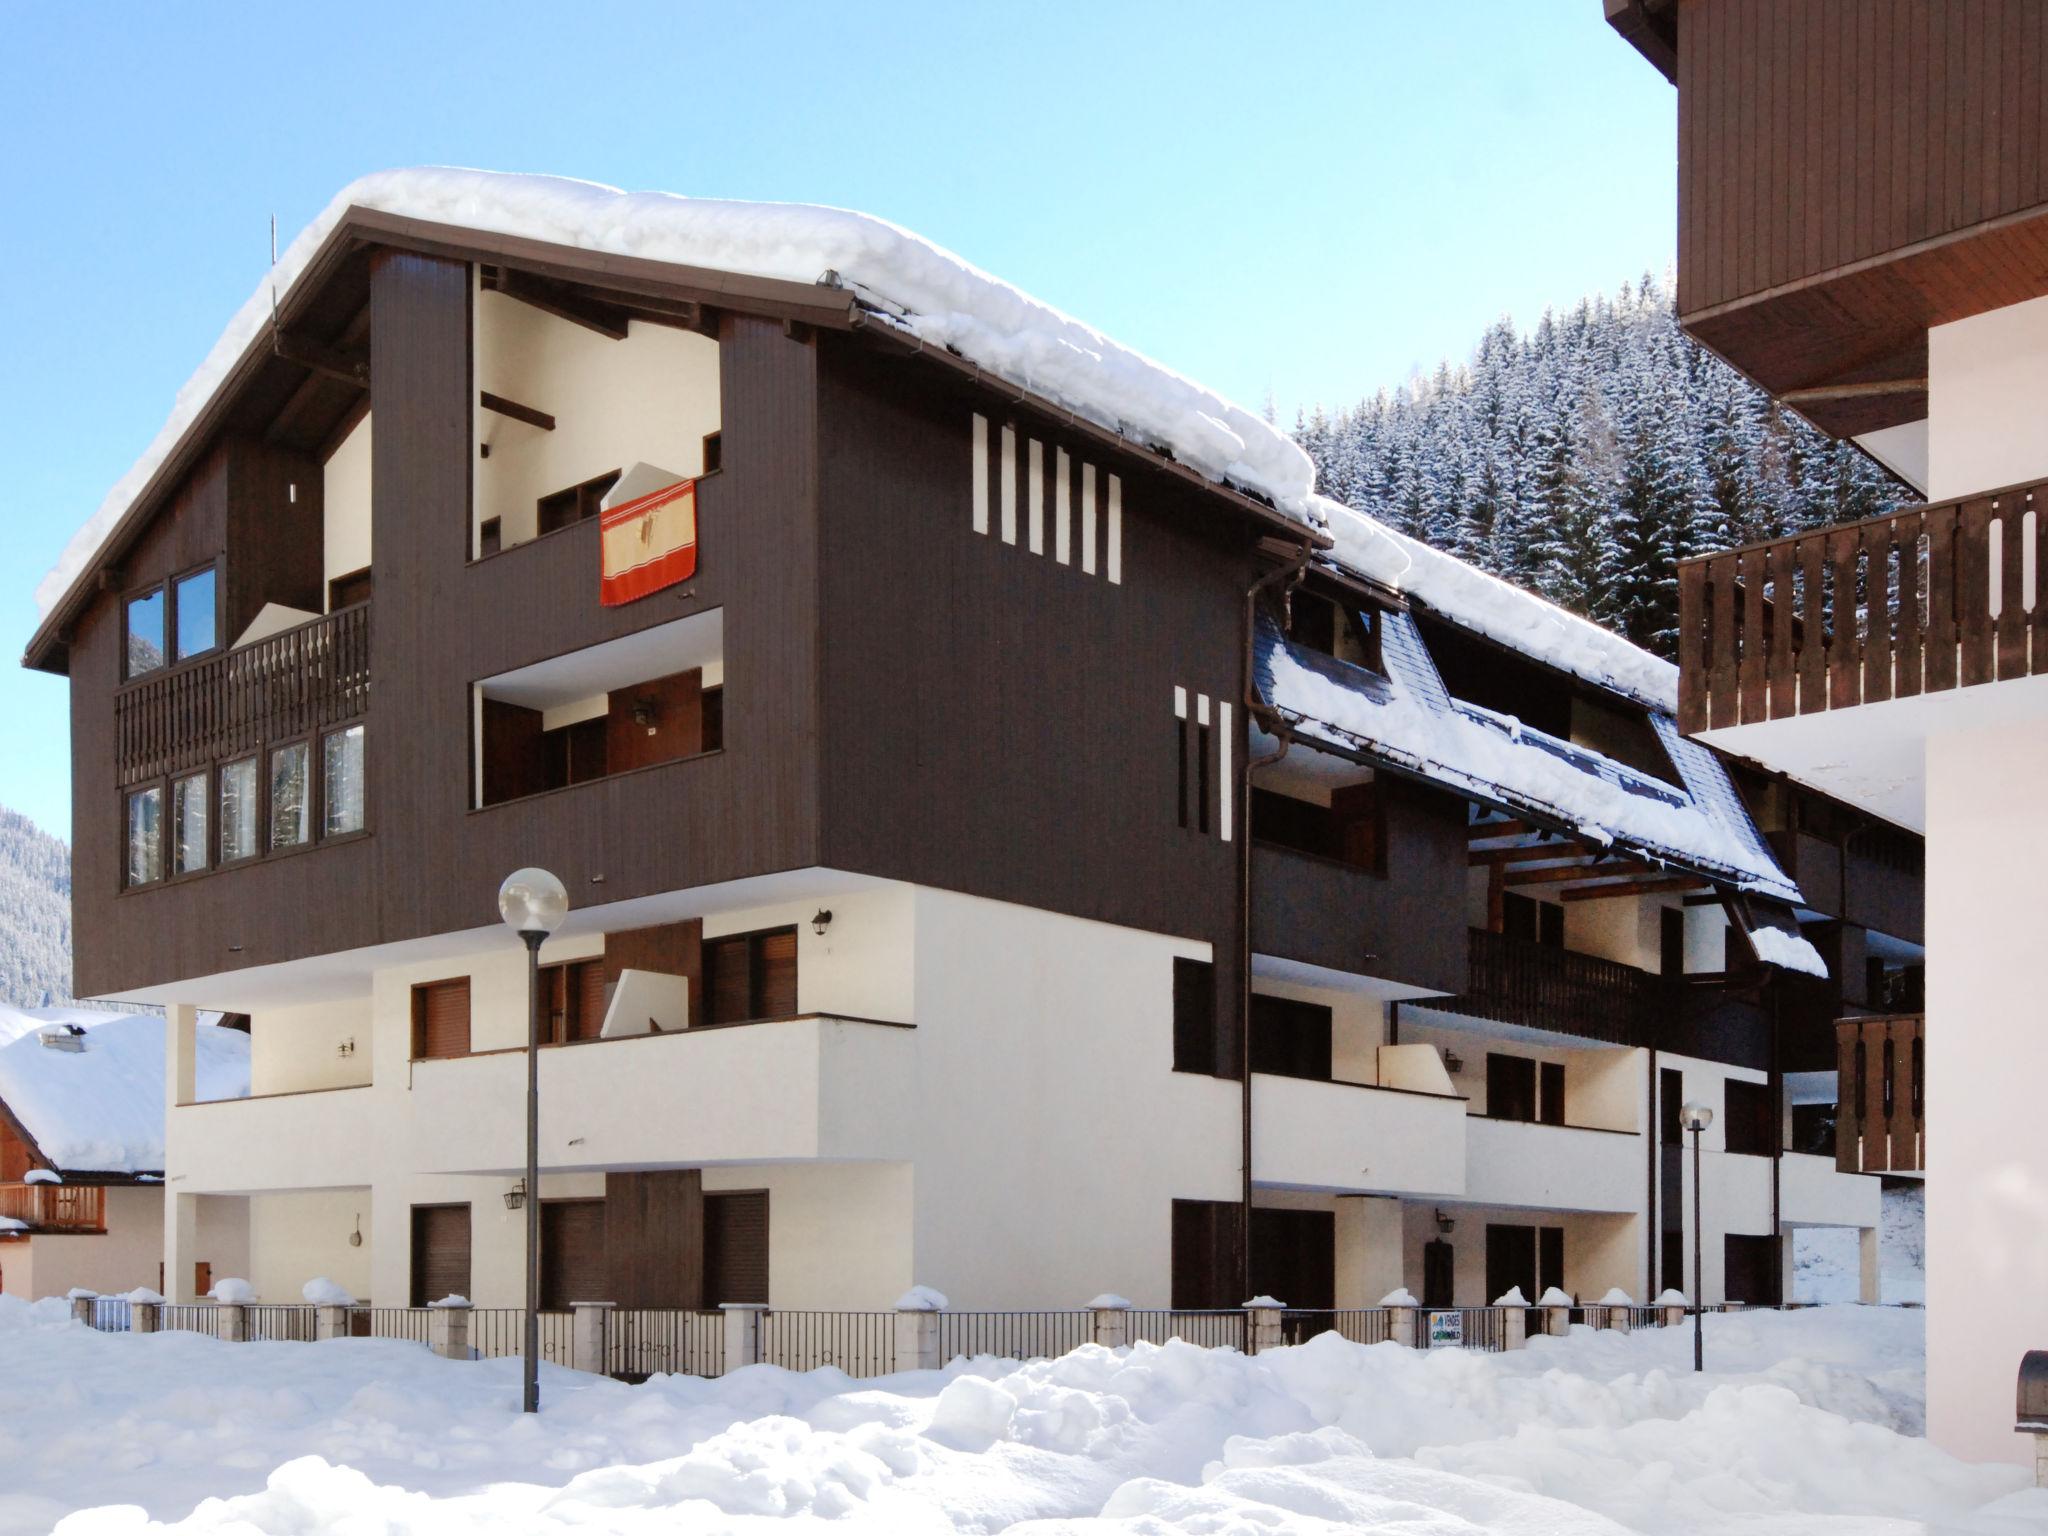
654	1236
1294	1257
1510	1260
440	1252
1749	1270
1438	1284
1549	1259
1550	1101
572	1254
1205	1237
736	1247
1510	1087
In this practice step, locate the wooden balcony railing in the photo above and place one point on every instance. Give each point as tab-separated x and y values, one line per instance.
1938	597
56	1207
1881	1094
1514	981
227	704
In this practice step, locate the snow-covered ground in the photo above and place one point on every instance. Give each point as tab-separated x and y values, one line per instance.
1827	1261
1807	1423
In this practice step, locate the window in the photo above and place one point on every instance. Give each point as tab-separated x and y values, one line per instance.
1291	1038
1194	1016
1532	921
238	811
193	609
1671	941
561	508
146	835
1550	1097
188	824
341	782
736	1247
714	719
575	999
145	621
714	452
291	819
1510	1087
347	591
440	1252
1751	1126
750	976
440	1019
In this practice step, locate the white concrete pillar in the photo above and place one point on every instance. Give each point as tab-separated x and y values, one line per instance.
2041	1460
1264	1332
742	1333
330	1321
1401	1326
145	1317
1516	1332
1111	1322
231	1322
589	1338
82	1306
1788	1269
1669	1316
1368	1243
1557	1321
448	1331
181	1022
181	1245
917	1339
1870	1290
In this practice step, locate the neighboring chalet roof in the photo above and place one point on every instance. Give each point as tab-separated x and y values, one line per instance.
1407	720
99	1110
822	263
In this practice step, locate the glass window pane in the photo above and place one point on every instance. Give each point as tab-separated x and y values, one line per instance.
238	810
341	782
188	824
146	836
146	632
290	816
195	614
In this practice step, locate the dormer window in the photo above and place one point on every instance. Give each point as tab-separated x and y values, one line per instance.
171	622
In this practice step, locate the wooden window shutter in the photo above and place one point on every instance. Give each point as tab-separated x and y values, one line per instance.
736	1247
572	1254
440	1017
726	981
440	1252
775	996
586	981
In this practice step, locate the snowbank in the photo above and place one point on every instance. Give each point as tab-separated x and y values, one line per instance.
1807	1421
101	1108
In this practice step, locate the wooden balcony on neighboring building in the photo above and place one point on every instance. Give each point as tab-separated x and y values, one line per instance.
1543	986
1922	601
55	1207
232	702
1880	1116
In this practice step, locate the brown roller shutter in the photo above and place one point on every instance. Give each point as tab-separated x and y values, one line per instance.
586	980
440	1018
728	993
736	1247
777	997
440	1252
572	1254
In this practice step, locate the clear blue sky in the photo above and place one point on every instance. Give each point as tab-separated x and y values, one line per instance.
1303	198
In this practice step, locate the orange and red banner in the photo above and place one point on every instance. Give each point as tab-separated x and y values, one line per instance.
648	543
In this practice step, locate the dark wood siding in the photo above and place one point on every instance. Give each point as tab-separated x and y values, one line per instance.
440	1018
669	949
572	1253
736	1247
440	1252
654	1238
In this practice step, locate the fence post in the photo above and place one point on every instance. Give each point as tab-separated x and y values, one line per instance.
1672	1307
742	1333
330	1321
1112	1321
587	1351
1401	1308
1514	1324
1557	1320
1263	1315
917	1336
82	1302
231	1322
448	1330
145	1316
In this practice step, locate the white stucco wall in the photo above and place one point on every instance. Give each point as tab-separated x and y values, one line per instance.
305	1235
1987	401
1987	1057
649	398
327	1044
345	503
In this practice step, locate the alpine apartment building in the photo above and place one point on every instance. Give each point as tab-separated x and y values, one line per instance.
1020	842
1863	230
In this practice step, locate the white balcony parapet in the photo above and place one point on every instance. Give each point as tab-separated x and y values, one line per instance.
1358	1139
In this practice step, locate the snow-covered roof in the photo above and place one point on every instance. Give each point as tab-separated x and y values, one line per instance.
1406	718
940	298
100	1108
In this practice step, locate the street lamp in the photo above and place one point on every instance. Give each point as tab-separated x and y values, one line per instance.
1696	1117
533	904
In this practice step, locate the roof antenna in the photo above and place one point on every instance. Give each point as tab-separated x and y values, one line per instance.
276	337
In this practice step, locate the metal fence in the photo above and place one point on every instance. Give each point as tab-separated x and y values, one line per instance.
1014	1335
190	1317
293	1324
498	1332
858	1343
1484	1328
1361	1325
407	1323
663	1342
1212	1330
110	1314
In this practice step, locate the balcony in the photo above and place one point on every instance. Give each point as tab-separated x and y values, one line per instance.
1350	1138
1815	1193
230	703
1535	1166
1880	1118
1888	608
1515	981
55	1207
323	1138
800	1089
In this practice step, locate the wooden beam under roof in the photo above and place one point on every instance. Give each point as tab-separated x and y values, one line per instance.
1509	828
515	410
1667	887
559	299
1531	853
1583	872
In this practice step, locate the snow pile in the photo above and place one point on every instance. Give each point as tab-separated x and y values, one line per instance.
323	1292
1774	946
101	1108
233	1292
1807	1421
12	1224
921	1298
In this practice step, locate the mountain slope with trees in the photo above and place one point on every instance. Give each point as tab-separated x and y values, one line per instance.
35	914
1585	459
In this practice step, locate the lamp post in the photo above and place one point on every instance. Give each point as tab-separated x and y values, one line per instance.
1696	1117
533	904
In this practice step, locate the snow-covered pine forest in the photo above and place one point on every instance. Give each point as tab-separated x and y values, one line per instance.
1584	459
35	914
